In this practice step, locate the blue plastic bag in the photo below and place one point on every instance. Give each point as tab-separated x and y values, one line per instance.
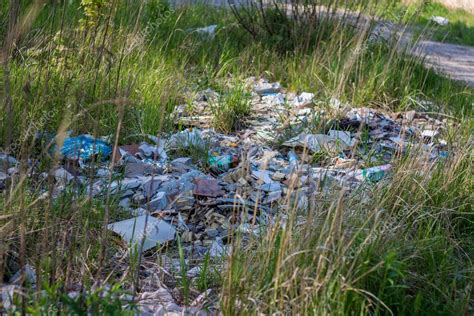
84	147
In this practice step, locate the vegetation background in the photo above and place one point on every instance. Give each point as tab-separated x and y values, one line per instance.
119	67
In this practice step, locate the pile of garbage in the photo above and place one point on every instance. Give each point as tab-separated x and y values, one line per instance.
202	185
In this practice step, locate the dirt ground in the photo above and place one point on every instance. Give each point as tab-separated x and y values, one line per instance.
455	61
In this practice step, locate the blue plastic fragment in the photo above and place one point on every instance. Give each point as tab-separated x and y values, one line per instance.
84	147
443	154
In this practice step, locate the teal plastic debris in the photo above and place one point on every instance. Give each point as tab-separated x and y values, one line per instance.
222	163
84	147
375	174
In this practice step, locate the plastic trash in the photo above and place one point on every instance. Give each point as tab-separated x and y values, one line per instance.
303	99
343	136
315	142
84	147
159	202
374	174
440	20
274	98
343	163
429	134
6	294
443	154
222	163
208	30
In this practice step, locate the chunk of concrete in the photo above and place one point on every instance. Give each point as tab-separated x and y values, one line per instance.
63	176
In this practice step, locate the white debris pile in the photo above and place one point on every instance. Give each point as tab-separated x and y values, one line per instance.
192	183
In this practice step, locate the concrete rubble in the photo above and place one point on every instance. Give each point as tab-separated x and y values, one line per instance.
240	181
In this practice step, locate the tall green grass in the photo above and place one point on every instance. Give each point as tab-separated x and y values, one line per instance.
460	29
68	68
121	69
404	249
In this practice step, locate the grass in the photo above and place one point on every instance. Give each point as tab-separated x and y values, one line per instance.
231	108
393	255
148	68
460	29
405	247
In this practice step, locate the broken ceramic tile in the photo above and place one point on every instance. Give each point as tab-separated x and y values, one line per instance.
124	185
270	187
273	196
183	201
137	169
194	272
278	176
124	203
159	202
187	161
134	231
207	187
262	175
211	232
151	186
217	248
151	151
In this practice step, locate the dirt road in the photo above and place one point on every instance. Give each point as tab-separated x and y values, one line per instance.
454	61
